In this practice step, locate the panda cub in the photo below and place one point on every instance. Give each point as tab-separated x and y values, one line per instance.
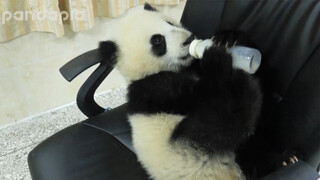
187	116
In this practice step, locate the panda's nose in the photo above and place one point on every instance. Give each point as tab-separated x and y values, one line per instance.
189	40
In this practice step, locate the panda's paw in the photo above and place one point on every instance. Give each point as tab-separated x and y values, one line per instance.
291	160
286	158
216	62
275	161
230	38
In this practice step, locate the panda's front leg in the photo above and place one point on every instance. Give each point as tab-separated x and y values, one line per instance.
216	64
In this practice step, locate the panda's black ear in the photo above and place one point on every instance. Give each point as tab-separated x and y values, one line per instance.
108	51
148	7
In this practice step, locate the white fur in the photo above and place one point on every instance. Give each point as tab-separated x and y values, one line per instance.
132	33
163	158
173	160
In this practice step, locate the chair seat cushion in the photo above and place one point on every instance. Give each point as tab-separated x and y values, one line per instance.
98	148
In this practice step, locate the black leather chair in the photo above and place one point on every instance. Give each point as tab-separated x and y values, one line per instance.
287	32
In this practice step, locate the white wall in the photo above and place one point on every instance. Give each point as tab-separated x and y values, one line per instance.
30	82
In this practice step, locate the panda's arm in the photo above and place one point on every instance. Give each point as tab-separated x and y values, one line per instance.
228	102
179	93
162	92
216	65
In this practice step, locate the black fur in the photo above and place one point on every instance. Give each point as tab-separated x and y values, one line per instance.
221	107
171	93
148	7
158	48
227	105
108	52
177	88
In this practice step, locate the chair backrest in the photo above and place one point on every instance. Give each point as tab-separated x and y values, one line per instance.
287	32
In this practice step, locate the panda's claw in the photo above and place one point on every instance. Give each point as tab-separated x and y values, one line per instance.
292	160
284	163
214	43
227	44
235	43
230	38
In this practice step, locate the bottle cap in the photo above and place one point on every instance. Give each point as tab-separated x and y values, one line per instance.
192	48
197	47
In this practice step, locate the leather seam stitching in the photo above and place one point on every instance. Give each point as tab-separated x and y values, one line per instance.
98	128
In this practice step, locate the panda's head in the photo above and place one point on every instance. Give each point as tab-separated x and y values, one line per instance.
147	43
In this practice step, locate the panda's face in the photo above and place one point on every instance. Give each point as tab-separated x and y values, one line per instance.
149	43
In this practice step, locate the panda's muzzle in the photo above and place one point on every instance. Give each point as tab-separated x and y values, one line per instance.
188	40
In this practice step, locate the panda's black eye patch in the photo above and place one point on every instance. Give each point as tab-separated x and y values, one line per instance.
158	42
157	39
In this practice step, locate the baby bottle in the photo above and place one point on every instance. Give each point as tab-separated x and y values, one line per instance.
245	58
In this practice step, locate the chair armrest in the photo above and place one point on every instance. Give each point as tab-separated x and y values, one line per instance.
85	96
79	64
